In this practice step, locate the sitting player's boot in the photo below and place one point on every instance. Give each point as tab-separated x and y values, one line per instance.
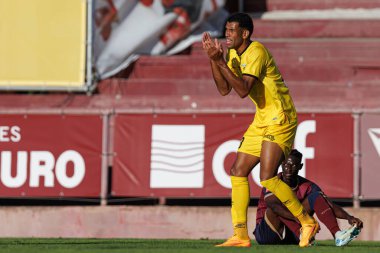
308	232
235	241
345	236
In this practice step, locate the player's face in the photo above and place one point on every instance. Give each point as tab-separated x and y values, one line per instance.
233	34
290	168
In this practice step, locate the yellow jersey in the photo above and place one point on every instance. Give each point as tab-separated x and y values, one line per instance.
274	104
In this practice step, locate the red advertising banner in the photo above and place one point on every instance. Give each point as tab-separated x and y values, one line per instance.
370	145
189	155
50	155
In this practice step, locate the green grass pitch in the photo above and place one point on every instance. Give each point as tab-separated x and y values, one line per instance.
31	245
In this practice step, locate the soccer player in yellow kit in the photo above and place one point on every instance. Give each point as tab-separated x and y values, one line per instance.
249	69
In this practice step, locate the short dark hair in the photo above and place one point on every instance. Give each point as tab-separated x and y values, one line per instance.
296	154
244	21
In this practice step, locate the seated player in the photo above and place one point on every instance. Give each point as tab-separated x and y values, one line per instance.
276	225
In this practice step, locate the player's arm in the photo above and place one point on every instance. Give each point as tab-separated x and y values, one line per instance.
243	85
340	213
254	68
223	75
278	208
222	85
214	51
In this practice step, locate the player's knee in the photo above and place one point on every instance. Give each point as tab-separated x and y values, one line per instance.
237	172
270	184
271	203
265	177
312	198
233	171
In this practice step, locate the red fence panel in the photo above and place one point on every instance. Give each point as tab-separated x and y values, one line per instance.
329	160
189	155
370	166
50	155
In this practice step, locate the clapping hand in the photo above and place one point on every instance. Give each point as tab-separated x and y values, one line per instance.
213	49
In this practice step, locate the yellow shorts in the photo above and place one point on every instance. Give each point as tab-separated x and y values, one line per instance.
253	138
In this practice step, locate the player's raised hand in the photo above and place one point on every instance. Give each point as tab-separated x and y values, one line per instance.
213	49
219	46
206	41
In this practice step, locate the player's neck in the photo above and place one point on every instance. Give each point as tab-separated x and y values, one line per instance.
243	47
291	182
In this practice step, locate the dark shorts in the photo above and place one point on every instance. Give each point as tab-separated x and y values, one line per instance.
265	235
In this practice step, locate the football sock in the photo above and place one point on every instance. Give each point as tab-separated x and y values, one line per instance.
324	213
285	194
239	206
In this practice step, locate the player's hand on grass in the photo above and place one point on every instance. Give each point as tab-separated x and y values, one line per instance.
353	220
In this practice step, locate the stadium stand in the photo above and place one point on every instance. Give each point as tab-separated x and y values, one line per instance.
330	69
328	64
319	5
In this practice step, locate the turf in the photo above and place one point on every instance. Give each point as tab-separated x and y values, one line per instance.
31	245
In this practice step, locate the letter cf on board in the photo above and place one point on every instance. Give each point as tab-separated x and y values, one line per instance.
374	134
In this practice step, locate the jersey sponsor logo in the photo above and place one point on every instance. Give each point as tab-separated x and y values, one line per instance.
374	134
236	67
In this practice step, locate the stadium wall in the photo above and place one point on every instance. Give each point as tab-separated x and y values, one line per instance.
177	154
144	222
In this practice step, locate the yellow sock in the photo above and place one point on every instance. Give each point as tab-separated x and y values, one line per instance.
285	194
240	203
